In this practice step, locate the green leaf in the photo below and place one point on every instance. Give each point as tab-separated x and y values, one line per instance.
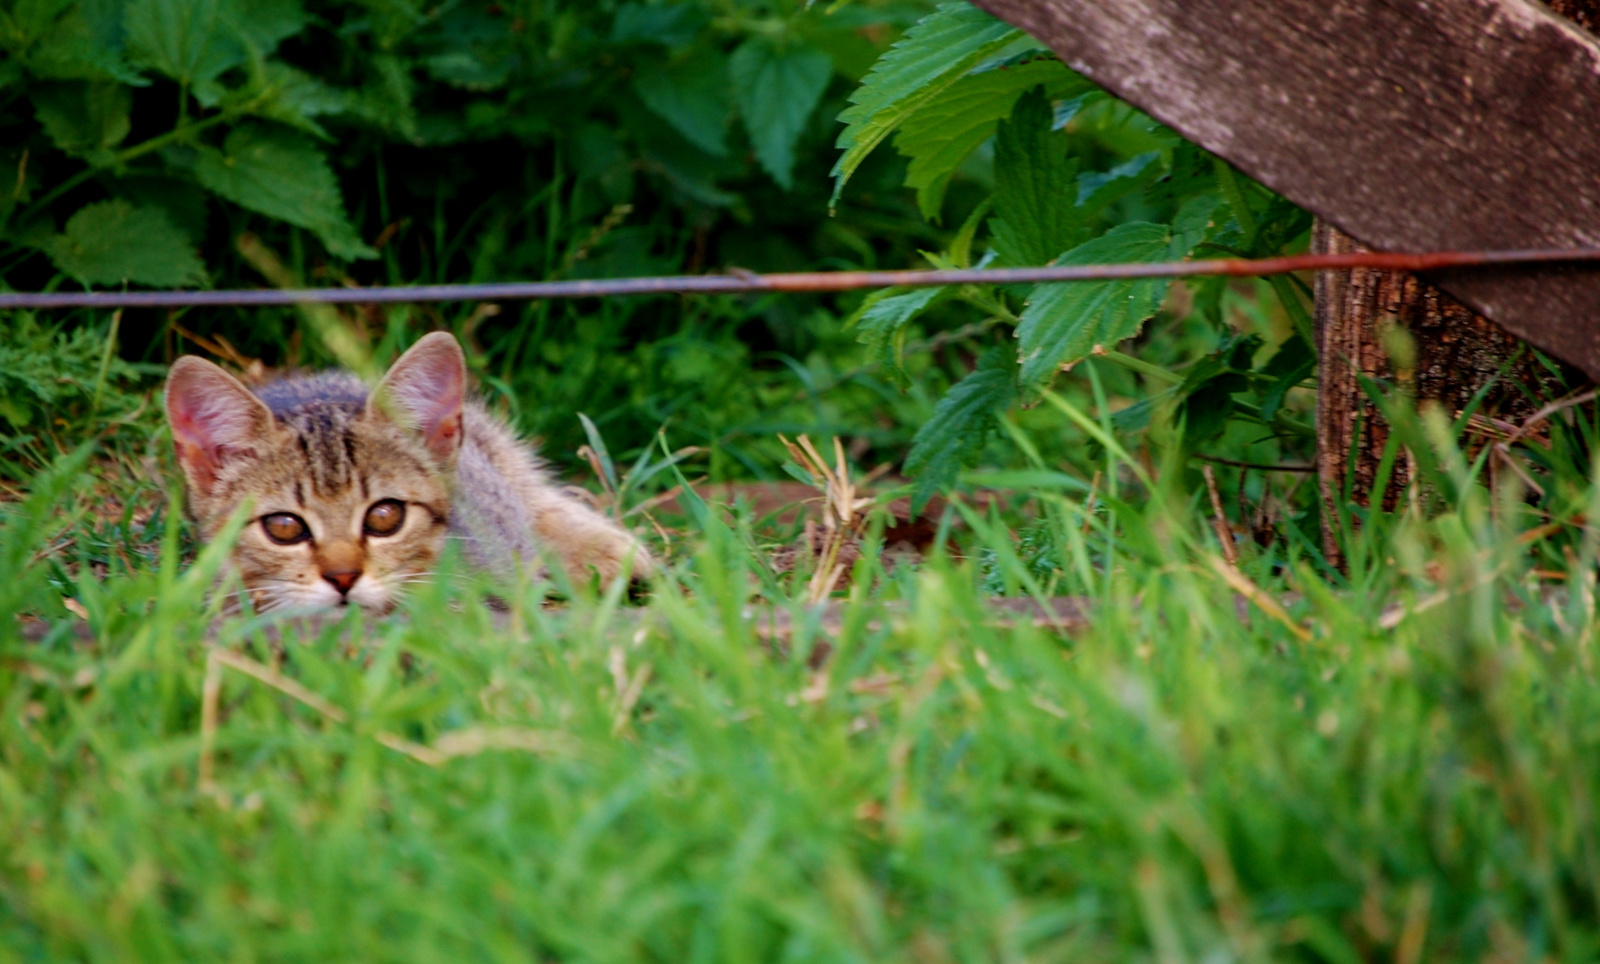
1035	187
386	98
947	128
692	95
1195	221
195	41
668	24
180	38
776	91
293	97
61	40
690	171
183	200
282	175
1070	107
112	242
1136	417
473	49
265	23
1291	364
883	319
469	69
1064	322
1097	189
1210	384
959	429
84	118
932	55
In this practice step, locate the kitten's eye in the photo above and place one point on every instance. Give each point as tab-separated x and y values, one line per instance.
285	529
385	517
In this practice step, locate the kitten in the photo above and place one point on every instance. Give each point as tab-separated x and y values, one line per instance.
356	492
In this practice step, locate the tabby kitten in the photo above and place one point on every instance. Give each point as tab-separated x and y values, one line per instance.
355	492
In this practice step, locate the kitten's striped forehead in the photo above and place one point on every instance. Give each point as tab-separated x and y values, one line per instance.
327	440
321	411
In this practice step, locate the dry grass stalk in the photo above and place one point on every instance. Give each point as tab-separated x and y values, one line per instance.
1241	584
843	512
1220	519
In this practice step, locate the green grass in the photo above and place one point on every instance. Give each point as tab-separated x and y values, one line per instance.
1186	780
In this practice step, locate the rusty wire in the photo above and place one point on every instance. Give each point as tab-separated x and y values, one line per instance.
744	282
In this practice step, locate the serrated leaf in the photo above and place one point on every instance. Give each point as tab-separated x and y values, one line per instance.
883	319
180	38
932	55
947	128
84	117
1064	322
692	95
294	97
195	41
112	242
282	175
959	429
1035	187
776	91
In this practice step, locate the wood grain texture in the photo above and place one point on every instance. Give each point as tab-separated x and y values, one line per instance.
1457	353
1459	123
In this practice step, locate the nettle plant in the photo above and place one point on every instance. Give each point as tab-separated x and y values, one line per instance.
1078	178
125	124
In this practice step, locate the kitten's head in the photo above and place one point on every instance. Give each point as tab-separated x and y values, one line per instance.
350	492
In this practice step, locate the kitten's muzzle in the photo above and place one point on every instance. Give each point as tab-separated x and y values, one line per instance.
342	579
340	564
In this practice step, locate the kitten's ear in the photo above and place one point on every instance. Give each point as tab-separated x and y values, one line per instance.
424	391
214	419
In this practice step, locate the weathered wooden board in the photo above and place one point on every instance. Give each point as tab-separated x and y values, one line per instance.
1409	124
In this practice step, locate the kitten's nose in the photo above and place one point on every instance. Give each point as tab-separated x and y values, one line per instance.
343	579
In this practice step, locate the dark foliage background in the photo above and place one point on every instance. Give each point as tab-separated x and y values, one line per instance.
226	143
402	143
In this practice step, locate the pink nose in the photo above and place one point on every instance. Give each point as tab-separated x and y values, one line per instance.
343	579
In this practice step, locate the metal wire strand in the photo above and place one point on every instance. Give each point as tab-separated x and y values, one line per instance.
741	282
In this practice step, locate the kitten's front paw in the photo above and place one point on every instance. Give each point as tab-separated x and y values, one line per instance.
608	551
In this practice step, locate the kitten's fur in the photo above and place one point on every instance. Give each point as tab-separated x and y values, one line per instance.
323	450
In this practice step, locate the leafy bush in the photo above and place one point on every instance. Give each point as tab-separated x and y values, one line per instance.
1077	179
130	121
221	143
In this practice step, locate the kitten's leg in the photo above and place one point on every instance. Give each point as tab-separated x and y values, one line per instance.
582	538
